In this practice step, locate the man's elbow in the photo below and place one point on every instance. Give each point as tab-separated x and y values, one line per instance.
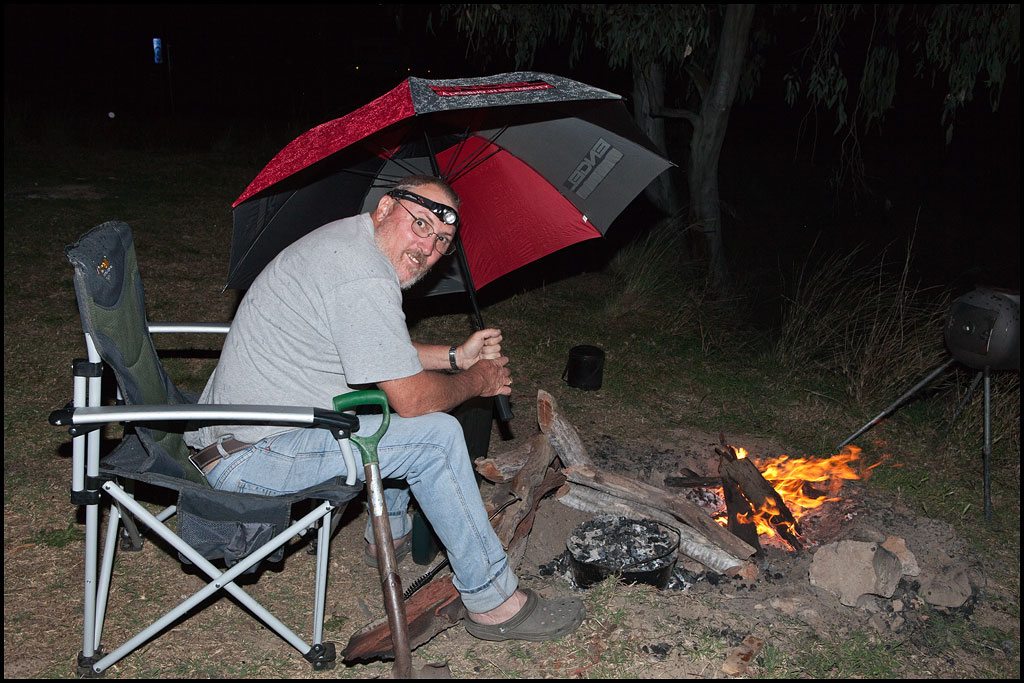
405	409
405	403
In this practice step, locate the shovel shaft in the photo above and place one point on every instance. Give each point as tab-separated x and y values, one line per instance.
391	582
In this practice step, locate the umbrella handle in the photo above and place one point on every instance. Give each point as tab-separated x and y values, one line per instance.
504	410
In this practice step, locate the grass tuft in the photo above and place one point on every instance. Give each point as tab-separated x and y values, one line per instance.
865	324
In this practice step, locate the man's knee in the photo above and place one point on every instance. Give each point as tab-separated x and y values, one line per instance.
447	428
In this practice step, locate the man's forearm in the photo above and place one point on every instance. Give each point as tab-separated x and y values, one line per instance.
433	356
432	392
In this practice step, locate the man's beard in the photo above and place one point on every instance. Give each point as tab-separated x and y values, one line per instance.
421	257
415	278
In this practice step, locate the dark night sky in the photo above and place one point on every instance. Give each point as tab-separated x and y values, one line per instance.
295	65
224	61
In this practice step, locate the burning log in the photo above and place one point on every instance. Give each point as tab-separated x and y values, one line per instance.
740	514
689	479
740	477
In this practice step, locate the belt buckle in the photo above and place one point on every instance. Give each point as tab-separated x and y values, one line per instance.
195	464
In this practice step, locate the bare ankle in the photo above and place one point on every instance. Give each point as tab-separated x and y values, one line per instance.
502	612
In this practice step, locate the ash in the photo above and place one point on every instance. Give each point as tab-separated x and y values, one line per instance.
619	543
707	498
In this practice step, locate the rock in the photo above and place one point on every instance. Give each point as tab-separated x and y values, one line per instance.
866	533
869	603
976	575
949	587
898	547
849	569
789	606
747	570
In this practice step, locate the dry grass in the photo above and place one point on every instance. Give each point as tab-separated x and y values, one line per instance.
865	323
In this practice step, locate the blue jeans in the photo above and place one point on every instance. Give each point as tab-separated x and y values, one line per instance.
429	453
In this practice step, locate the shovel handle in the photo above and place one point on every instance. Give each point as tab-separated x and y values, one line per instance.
367	444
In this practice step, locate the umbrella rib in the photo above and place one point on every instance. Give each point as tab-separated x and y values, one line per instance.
408	168
475	160
447	175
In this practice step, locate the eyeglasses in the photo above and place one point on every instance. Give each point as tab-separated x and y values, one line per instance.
443	244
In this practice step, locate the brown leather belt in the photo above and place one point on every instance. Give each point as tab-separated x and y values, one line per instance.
206	459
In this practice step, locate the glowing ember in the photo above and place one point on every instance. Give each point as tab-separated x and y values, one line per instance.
803	483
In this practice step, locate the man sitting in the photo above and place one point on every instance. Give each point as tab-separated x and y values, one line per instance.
325	318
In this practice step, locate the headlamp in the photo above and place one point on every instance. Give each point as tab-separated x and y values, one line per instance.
445	213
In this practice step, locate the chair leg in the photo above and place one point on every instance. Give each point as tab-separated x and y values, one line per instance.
218	581
91	652
322	655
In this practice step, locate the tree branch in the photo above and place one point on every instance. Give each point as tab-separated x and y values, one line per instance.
672	113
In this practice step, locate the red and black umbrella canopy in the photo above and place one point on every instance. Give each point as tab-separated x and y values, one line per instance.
539	161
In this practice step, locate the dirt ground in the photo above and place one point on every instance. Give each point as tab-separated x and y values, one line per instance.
690	628
688	631
631	631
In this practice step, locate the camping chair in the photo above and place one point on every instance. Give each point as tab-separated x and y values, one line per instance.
238	530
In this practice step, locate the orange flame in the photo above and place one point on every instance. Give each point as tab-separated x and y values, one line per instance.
803	483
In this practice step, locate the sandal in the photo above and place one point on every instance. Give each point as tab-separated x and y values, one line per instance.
539	620
403	548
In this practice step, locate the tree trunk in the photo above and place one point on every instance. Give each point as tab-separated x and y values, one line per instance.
649	98
709	133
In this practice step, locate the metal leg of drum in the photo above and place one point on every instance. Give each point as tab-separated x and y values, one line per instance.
898	402
963	404
987	449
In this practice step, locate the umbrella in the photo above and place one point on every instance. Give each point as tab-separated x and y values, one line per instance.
540	162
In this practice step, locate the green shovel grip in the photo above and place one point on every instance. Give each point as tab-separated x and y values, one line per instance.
367	444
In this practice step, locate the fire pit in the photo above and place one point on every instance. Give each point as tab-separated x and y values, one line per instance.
638	550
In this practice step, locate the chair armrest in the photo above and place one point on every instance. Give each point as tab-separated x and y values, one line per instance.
94	417
189	328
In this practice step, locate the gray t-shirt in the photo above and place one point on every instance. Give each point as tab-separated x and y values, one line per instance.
324	315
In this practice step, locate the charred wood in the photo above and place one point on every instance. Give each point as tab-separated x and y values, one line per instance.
691	543
760	494
680	508
563	435
500	469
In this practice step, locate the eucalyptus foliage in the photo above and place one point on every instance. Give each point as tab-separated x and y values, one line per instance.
691	62
951	46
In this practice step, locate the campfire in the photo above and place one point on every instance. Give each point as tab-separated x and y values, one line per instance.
765	502
795	486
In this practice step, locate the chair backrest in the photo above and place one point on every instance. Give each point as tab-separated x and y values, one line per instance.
112	306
